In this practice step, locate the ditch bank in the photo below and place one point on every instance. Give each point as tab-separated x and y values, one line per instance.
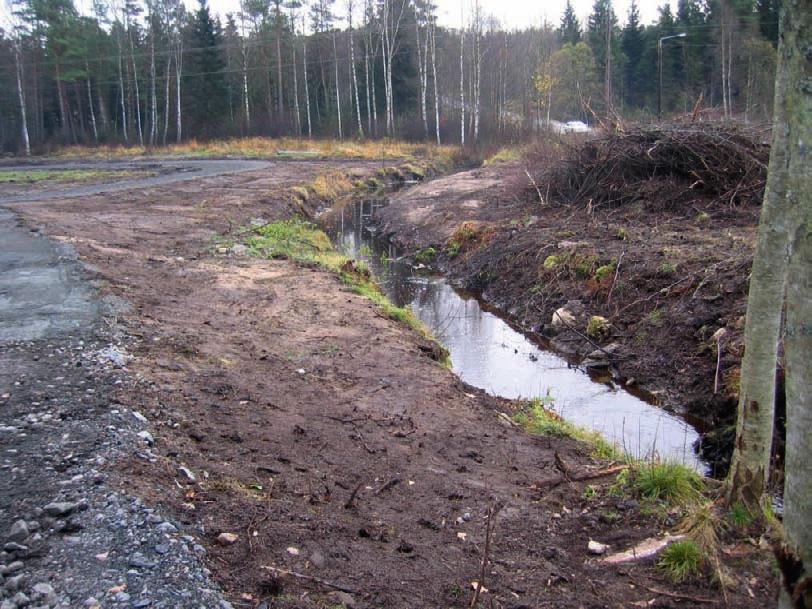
652	295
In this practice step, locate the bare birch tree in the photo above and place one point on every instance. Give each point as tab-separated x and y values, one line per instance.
352	68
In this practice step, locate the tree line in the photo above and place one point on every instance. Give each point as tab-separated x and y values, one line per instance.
150	72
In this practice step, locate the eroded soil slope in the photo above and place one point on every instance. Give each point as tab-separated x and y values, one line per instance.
321	438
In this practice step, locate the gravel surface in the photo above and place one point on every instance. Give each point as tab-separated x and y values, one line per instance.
67	538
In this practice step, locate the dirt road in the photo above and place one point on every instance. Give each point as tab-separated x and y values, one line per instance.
310	447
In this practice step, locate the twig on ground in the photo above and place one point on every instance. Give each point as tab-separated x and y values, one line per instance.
614	279
309	578
490	523
351	501
393	482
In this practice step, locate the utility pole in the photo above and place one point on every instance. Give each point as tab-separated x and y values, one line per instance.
660	66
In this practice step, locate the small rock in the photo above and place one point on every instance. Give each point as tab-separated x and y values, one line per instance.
43	592
19	531
225	605
15	583
12	568
8	604
139	561
342	598
597	548
167	527
144	602
139	417
293	551
13	546
60	508
227	539
187	473
121	597
317	559
146	437
162	548
21	599
239	249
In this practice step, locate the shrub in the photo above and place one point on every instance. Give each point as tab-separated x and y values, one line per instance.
681	561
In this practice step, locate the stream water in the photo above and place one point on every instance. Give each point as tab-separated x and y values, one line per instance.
487	352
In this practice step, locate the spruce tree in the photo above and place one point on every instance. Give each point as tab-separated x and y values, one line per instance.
206	91
570	30
632	44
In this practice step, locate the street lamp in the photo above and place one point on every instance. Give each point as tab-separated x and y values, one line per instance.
660	63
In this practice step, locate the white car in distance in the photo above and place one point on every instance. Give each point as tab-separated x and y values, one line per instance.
576	127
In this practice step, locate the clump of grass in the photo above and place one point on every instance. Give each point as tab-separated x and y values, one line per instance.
330	186
466	235
552	262
426	255
536	417
739	516
597	327
682	561
605	270
666	481
654	317
584	265
504	155
667	269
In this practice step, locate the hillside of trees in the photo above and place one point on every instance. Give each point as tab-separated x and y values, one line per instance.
151	72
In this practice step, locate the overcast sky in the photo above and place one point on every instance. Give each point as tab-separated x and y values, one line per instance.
511	13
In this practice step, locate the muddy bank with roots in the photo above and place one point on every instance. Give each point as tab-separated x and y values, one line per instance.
643	274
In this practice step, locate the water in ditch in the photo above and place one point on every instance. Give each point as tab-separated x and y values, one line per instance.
487	352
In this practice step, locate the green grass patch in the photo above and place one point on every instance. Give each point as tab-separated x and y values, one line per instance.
535	417
304	243
682	561
63	175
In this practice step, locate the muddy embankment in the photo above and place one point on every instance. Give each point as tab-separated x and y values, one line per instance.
652	290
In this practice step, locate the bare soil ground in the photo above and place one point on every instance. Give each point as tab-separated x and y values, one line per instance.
672	278
327	441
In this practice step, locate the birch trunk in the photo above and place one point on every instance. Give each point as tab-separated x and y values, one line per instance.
355	78
306	88
178	71
153	109
90	107
338	88
122	97
166	97
462	85
296	91
795	41
366	76
136	91
434	79
750	465
21	98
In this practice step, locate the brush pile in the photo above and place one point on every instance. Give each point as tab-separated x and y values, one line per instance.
664	166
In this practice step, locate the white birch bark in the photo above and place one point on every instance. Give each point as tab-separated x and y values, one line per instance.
21	98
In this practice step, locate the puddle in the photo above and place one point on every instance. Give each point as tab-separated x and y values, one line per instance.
488	353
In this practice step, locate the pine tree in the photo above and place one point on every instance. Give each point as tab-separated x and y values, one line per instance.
570	30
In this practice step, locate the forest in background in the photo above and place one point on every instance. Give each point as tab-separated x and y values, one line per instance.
152	72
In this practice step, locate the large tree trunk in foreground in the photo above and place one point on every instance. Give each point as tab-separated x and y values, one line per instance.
796	61
754	428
